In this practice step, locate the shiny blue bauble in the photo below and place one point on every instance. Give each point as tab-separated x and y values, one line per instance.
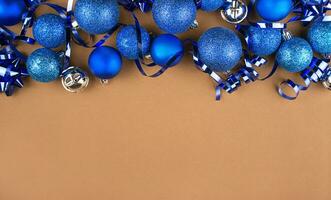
164	48
294	55
44	65
211	5
319	36
220	49
273	10
264	41
50	30
97	16
174	16
105	62
11	12
127	42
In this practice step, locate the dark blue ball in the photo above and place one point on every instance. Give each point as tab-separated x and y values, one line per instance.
44	65
50	30
174	16
264	41
165	47
127	42
11	12
274	10
97	16
220	49
294	55
319	36
105	62
211	5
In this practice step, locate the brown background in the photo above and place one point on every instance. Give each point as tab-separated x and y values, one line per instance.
165	138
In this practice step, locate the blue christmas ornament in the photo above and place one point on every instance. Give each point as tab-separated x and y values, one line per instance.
127	42
164	48
319	36
11	12
294	55
220	49
273	10
44	65
211	5
97	16
50	30
174	16
105	62
264	41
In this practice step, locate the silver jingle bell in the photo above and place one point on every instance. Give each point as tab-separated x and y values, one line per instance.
235	12
74	79
327	83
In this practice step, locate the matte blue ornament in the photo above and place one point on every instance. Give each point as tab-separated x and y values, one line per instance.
127	42
164	48
220	49
97	16
50	30
44	65
294	55
105	62
11	12
174	16
264	41
273	10
211	5
319	36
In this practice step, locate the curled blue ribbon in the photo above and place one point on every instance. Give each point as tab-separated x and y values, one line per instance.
131	5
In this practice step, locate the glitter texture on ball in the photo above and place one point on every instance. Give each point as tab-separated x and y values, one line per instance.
97	16
220	49
44	65
294	55
319	36
264	41
174	16
49	30
127	42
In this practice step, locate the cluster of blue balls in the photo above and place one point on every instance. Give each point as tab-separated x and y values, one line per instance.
219	48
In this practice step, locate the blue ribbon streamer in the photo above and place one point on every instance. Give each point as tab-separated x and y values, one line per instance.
131	5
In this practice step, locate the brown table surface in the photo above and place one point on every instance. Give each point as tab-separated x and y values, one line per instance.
164	139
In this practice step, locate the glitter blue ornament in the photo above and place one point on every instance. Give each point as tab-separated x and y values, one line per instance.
44	65
264	41
127	42
274	10
50	30
97	16
211	5
164	48
294	55
105	62
174	16
220	49
11	12
319	36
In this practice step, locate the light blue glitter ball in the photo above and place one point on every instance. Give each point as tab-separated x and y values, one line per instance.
44	65
50	30
127	42
264	41
220	49
294	55
319	36
174	16
211	5
97	16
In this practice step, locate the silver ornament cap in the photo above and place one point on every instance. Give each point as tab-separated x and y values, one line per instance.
74	79
327	83
235	12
